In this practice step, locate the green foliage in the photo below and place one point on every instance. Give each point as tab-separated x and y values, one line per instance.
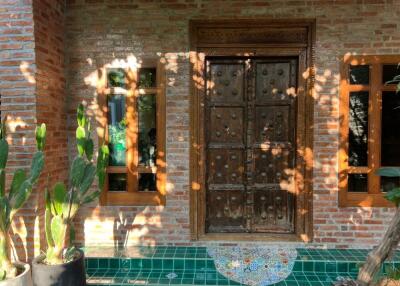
84	143
394	194
19	192
102	162
396	79
392	272
40	136
62	203
388	172
116	78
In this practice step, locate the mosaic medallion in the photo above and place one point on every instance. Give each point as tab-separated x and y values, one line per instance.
254	265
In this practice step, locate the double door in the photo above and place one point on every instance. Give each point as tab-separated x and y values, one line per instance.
250	131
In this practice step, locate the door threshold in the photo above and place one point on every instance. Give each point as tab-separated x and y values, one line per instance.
250	237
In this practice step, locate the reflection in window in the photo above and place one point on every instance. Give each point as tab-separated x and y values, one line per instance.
389	72
117	182
147	130
116	77
147	77
390	140
358	183
358	129
147	182
389	183
359	74
117	130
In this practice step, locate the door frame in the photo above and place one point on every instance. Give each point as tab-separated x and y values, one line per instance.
264	38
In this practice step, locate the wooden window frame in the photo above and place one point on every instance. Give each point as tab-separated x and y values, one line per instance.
374	197
133	197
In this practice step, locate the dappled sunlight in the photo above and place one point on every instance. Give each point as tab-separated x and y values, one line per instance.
27	72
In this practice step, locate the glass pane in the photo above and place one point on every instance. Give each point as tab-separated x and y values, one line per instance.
359	74
116	78
358	129
389	72
117	130
390	138
388	183
147	182
117	182
147	77
358	183
147	130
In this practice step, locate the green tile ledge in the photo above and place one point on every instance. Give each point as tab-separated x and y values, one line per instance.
169	265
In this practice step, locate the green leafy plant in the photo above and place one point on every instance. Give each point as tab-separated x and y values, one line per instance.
62	203
18	193
392	273
116	78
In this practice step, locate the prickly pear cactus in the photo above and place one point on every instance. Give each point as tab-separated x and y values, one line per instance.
19	192
63	203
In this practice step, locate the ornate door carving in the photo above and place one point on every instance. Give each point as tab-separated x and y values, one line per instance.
250	137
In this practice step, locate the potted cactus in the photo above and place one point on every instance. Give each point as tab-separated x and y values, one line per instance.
17	274
63	264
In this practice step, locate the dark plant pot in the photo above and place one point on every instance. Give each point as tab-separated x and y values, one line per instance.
23	279
66	274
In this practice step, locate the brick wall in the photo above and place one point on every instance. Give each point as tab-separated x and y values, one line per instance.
114	32
51	100
32	88
18	103
104	32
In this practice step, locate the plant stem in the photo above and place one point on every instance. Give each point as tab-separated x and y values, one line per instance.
5	262
378	256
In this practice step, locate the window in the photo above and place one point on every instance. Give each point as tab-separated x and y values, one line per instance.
134	103
369	129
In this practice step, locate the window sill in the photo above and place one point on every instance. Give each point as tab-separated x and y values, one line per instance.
364	200
132	199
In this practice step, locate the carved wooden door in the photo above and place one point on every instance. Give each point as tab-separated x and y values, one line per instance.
250	148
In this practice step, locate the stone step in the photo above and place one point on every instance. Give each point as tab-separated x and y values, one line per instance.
193	266
332	260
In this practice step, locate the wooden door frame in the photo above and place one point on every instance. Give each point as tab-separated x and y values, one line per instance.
267	38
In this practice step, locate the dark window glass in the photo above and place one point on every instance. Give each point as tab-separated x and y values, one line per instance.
146	107
147	182
358	129
359	74
117	130
389	72
117	182
389	183
147	77
116	78
390	137
358	183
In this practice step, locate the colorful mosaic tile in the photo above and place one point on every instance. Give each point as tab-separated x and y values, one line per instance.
254	266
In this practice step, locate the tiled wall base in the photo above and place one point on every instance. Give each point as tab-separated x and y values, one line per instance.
192	266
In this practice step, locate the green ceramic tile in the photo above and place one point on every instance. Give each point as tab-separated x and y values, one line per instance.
200	264
190	264
179	264
103	263
93	263
308	266
114	263
146	264
156	264
168	264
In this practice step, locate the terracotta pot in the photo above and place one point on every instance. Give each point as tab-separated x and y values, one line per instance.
67	274
23	279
